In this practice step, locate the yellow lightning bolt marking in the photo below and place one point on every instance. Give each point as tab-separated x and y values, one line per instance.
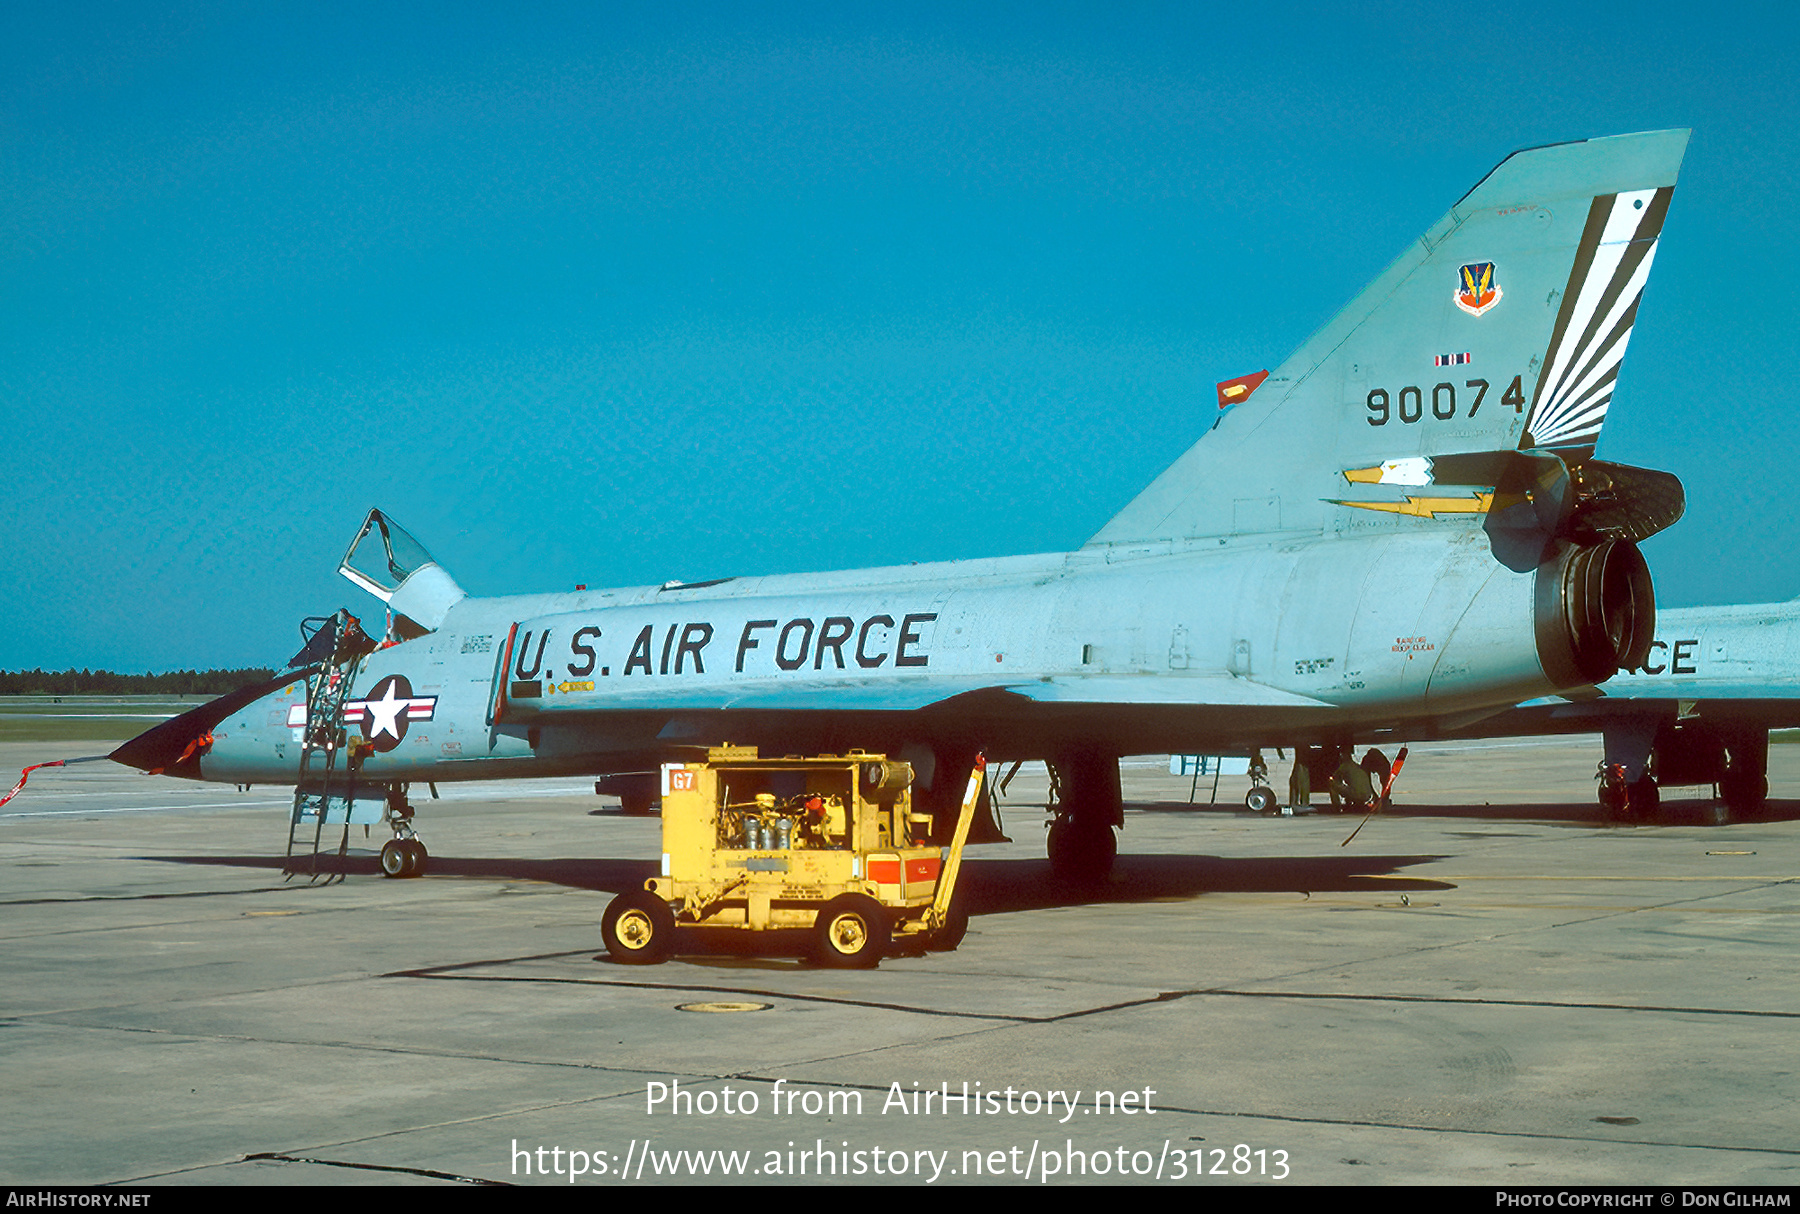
1429	507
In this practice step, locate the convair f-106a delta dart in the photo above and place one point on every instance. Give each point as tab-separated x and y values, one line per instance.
1403	526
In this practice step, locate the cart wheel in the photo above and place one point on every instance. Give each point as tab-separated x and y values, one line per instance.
946	938
395	859
851	932
637	928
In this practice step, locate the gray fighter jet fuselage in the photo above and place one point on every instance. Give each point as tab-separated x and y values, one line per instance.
1404	523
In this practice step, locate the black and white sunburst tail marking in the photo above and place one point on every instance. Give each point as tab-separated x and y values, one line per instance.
1598	308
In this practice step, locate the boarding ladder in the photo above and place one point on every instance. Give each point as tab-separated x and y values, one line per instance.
328	760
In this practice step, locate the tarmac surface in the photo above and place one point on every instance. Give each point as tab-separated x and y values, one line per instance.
1514	993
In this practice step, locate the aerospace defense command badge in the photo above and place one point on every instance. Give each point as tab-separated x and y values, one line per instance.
1476	292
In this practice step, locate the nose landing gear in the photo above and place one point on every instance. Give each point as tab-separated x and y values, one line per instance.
403	858
403	855
1261	798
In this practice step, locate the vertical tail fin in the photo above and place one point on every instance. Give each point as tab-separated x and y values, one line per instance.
1502	328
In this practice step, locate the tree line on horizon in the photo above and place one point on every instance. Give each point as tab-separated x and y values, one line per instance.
107	682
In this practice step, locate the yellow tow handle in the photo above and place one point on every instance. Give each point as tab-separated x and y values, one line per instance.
940	905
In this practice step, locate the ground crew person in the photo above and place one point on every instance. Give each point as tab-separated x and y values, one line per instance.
1379	769
1300	779
1330	757
1352	783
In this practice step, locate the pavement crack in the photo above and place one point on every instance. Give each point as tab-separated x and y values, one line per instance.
350	1046
1374	1123
1466	1001
1102	1009
191	893
757	992
276	1157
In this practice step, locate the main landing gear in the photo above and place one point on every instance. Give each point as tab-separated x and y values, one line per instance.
1626	800
1744	784
1087	805
1731	756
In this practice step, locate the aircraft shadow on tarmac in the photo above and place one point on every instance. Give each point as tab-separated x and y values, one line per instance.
1676	811
991	886
601	875
1001	885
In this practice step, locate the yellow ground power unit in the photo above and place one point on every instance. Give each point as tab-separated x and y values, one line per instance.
829	844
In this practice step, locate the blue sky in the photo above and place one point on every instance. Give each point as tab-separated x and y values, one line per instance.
618	293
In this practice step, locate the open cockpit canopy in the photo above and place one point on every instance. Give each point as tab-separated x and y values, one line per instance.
390	564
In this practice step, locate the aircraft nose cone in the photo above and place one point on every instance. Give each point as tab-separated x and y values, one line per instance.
174	747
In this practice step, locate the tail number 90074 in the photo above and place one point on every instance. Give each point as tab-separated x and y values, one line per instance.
1410	406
